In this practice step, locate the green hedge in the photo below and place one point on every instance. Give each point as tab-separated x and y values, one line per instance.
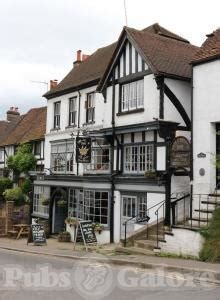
5	183
211	248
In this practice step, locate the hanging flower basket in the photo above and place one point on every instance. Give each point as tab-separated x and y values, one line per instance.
61	203
71	221
150	174
45	202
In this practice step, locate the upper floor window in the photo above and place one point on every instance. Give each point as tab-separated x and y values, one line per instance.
37	148
138	158
72	111
56	115
132	95
90	108
62	157
100	157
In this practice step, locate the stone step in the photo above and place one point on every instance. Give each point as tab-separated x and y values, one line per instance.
134	250
153	237
196	223
210	202
206	211
145	244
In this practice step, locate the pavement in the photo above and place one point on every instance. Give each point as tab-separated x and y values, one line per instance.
107	254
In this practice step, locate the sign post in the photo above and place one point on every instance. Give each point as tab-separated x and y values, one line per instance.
85	231
37	235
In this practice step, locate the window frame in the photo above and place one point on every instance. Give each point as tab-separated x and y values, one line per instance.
56	118
73	113
138	100
38	207
90	108
139	162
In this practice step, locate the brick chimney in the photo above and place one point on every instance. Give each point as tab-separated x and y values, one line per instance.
13	114
53	83
78	58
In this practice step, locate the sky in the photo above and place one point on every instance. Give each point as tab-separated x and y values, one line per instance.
39	38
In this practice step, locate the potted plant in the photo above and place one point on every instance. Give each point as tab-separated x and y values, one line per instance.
45	201
71	221
61	203
150	174
97	227
64	236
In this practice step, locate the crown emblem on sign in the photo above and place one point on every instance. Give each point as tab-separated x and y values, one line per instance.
83	151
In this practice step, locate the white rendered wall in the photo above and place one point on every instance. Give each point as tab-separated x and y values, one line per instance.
182	90
206	112
183	242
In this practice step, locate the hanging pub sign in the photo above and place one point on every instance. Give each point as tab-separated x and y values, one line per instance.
83	149
180	153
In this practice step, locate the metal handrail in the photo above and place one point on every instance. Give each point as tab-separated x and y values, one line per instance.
135	217
156	213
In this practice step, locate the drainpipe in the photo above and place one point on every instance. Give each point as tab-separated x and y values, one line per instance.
78	126
112	163
191	156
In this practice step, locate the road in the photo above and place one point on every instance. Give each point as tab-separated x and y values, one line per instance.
27	276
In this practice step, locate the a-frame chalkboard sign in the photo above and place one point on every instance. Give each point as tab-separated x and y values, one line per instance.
85	232
37	235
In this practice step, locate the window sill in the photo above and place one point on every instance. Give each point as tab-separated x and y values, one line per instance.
55	129
89	123
134	111
70	126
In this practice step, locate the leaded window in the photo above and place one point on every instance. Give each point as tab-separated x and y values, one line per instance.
138	158
132	95
62	157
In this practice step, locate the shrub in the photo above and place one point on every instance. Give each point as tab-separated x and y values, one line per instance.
5	183
211	248
15	195
26	186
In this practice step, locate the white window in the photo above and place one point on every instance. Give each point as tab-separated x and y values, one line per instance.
100	157
132	95
89	205
72	111
129	206
138	158
2	155
57	115
62	157
41	194
90	108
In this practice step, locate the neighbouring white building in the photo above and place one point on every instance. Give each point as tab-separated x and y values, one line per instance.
132	98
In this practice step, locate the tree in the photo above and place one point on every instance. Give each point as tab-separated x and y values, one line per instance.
23	161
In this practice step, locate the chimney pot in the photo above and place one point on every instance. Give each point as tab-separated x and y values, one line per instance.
84	57
78	55
13	114
53	83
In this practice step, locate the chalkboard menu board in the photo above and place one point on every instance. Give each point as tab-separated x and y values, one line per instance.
85	232
37	235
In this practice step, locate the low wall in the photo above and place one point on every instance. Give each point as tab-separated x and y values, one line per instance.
182	242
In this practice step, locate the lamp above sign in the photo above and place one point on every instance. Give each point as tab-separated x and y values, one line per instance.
180	153
201	155
83	150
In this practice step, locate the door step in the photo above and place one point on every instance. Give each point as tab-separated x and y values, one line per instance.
134	250
145	244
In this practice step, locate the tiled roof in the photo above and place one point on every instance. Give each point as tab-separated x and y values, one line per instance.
32	126
210	48
157	29
89	70
164	55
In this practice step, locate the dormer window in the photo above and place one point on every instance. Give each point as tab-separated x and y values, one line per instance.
132	95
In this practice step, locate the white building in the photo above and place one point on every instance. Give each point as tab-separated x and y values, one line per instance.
132	98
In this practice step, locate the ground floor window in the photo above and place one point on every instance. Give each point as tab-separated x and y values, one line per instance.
89	205
41	200
134	206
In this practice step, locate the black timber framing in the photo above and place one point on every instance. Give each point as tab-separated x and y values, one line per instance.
172	97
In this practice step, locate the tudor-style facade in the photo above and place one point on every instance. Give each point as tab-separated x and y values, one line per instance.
132	98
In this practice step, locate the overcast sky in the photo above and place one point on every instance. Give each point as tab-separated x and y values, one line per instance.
39	38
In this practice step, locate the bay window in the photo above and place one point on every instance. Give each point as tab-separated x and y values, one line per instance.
138	158
62	157
132	95
89	205
100	157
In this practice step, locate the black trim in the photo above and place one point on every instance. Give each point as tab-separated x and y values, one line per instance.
124	62
143	136
132	111
122	153
143	63
155	149
160	85
133	77
130	58
132	137
178	106
136	61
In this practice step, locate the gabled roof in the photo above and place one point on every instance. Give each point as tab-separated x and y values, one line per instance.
209	50
90	70
32	126
166	55
157	29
